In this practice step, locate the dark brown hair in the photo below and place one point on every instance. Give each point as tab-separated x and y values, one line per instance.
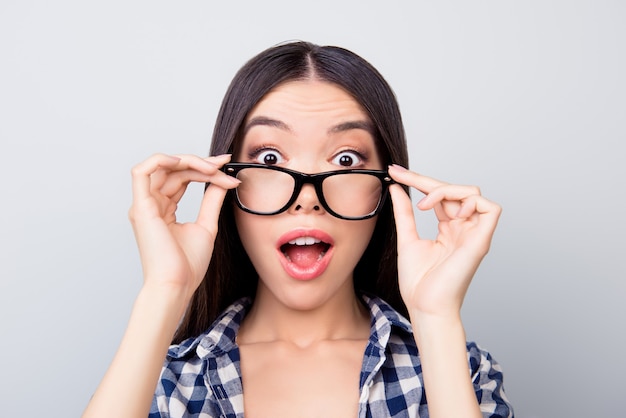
231	275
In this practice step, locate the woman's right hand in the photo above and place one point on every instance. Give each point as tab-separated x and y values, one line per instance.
175	256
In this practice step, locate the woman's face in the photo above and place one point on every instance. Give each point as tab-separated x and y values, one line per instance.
308	126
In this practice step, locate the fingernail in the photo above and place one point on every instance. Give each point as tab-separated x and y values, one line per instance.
220	156
397	167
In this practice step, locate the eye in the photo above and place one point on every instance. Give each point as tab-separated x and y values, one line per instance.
269	157
348	159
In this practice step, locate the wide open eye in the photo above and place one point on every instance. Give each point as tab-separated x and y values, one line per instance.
348	159
269	157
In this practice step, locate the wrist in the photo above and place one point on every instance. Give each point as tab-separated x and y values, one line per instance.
431	326
443	353
164	304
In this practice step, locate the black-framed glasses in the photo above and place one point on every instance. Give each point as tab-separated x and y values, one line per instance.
351	194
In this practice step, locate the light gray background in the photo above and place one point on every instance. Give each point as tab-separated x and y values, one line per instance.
524	98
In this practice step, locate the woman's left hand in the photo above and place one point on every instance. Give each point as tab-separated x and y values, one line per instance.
434	275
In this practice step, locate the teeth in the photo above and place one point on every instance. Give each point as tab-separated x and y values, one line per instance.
304	241
319	257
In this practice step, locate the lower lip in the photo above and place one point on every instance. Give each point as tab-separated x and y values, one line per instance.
307	273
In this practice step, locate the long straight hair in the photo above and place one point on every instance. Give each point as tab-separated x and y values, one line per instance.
230	274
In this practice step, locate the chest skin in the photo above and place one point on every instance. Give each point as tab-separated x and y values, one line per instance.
281	379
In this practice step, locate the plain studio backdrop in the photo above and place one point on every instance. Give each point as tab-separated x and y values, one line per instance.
526	99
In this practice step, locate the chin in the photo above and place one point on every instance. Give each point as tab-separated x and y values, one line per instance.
304	295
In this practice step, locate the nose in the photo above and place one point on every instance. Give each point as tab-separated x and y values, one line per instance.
307	201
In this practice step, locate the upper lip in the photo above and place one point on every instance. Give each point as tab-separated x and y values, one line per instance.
316	234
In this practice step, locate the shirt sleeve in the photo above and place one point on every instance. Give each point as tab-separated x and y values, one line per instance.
488	383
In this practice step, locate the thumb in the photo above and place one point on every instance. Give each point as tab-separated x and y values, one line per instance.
210	207
404	216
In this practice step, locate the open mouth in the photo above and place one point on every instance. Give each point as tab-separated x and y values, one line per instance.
304	251
305	254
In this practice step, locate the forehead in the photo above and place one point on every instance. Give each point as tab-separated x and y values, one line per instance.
308	99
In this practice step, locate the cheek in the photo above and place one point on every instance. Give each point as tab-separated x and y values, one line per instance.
244	227
358	236
253	232
366	230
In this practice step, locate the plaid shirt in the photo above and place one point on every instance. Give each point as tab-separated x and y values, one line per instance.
202	378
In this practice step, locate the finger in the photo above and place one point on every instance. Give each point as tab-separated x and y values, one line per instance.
444	198
449	193
180	179
158	178
403	214
141	173
175	198
422	183
443	210
189	168
487	211
483	215
219	160
210	207
207	165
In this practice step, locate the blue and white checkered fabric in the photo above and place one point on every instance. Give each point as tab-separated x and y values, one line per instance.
202	378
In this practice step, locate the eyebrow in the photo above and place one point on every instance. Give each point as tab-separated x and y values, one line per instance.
357	124
342	127
265	121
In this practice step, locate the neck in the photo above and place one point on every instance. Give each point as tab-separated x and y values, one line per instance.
342	316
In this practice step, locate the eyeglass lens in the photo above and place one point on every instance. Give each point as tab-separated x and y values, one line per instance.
350	195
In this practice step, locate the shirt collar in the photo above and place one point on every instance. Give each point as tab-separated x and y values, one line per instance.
384	317
220	337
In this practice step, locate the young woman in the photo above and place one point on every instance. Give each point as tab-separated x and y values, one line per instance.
303	288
